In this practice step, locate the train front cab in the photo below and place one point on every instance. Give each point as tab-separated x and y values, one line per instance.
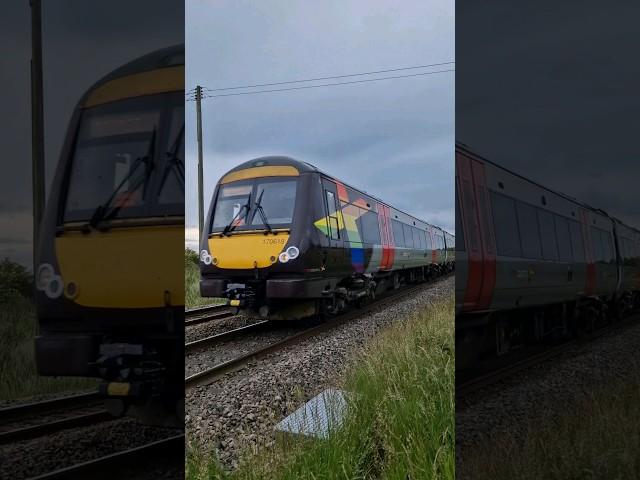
109	288
260	248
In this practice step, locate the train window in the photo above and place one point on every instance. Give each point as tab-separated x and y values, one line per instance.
416	238
332	208
529	231
577	242
548	235
596	241
408	236
398	235
564	238
370	227
505	225
606	245
277	200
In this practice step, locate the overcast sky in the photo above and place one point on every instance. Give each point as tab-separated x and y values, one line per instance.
82	42
549	92
392	138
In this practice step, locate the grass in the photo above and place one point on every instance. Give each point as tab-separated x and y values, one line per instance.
18	376
401	418
596	439
192	296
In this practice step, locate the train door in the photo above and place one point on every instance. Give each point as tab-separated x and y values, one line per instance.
335	227
479	270
384	221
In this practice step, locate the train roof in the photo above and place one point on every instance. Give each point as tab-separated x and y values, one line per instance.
305	167
165	57
467	150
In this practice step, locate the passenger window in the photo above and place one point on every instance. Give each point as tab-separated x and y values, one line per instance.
398	235
596	241
564	238
416	238
505	225
548	235
332	208
607	247
577	243
529	231
370	228
408	236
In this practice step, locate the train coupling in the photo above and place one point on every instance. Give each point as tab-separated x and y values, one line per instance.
240	295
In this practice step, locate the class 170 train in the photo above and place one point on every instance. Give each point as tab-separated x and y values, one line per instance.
534	264
109	277
284	240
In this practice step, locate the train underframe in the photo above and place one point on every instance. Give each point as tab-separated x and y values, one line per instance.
485	334
138	371
295	298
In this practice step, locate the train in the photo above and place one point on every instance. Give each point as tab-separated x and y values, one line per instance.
109	277
284	241
534	264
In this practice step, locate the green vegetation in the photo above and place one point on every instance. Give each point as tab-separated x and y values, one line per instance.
401	417
18	327
597	438
192	296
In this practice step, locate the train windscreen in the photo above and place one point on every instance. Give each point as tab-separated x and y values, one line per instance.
128	160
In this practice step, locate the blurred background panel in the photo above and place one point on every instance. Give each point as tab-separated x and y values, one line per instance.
91	312
548	230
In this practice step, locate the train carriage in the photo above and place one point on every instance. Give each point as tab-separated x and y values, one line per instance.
534	262
287	240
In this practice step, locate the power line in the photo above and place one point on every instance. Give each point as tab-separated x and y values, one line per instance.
191	97
327	78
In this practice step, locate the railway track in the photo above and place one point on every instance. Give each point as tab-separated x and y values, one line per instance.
226	336
109	465
210	375
209	313
32	420
503	372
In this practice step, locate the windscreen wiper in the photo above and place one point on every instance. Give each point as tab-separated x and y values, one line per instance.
245	208
173	162
106	210
262	214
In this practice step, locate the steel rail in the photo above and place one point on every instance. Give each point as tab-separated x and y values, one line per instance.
42	429
210	375
110	464
26	409
226	336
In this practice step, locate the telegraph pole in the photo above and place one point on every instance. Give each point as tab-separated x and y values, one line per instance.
37	124
200	192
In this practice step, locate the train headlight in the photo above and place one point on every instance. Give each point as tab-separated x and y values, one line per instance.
205	257
283	257
48	281
293	252
44	275
55	287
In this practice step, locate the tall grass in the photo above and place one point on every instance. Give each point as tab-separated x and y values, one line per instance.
401	415
18	376
597	438
192	296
